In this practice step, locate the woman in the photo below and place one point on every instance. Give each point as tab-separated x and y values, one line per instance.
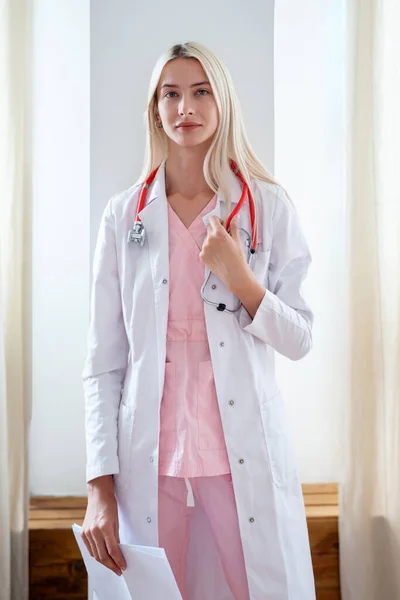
186	437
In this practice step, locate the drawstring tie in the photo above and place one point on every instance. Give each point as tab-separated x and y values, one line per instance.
190	496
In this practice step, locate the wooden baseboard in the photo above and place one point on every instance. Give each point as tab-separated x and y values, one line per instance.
57	571
322	510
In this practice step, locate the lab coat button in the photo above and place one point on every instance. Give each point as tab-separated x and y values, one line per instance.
231	402
149	519
165	281
222	344
241	461
151	459
251	519
214	287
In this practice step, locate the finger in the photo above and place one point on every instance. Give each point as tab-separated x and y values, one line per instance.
115	553
215	223
93	547
114	550
116	532
106	559
87	544
234	228
103	554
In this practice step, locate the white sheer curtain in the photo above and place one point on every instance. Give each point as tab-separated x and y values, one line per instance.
14	296
370	492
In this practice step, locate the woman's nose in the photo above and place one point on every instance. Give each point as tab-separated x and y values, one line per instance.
185	107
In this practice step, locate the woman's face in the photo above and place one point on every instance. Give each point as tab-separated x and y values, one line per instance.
186	104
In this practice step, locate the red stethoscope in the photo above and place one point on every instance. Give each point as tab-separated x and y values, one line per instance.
137	232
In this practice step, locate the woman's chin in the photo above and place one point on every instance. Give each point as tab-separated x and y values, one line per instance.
191	140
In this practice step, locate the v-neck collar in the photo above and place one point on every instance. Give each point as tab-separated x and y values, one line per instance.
197	229
198	218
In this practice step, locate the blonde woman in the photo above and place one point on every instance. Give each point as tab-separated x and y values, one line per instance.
197	282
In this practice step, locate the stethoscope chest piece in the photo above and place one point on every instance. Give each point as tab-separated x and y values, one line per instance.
137	233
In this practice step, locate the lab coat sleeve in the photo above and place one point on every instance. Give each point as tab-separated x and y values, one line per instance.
107	355
284	320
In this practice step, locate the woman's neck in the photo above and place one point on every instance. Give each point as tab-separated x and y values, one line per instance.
184	172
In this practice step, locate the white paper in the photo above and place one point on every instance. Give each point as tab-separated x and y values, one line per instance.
148	574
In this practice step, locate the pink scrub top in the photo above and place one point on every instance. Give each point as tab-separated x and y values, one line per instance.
192	442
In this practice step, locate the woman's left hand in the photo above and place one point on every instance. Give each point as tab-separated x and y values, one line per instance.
223	253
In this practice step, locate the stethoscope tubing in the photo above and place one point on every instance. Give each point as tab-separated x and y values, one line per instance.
245	193
137	233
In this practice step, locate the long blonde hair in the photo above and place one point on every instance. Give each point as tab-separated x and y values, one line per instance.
230	140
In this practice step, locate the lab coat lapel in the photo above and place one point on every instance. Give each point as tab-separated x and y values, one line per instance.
154	217
220	209
216	212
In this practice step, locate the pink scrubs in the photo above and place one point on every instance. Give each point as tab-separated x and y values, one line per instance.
193	461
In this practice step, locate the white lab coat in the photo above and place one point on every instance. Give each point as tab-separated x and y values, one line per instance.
124	375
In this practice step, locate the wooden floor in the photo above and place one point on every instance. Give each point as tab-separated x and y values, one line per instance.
57	571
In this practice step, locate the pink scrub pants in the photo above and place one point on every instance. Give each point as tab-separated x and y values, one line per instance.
177	496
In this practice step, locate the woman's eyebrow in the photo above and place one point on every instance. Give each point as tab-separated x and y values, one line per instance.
174	85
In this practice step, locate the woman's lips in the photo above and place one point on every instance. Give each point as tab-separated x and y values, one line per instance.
188	126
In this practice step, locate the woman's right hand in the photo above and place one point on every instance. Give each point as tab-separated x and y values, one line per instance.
100	530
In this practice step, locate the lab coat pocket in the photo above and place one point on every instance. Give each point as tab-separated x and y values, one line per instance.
211	435
279	447
260	266
125	431
168	410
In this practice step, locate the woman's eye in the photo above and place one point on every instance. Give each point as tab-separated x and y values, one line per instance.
168	95
203	92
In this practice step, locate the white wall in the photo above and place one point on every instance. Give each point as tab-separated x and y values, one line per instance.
104	85
309	161
61	249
